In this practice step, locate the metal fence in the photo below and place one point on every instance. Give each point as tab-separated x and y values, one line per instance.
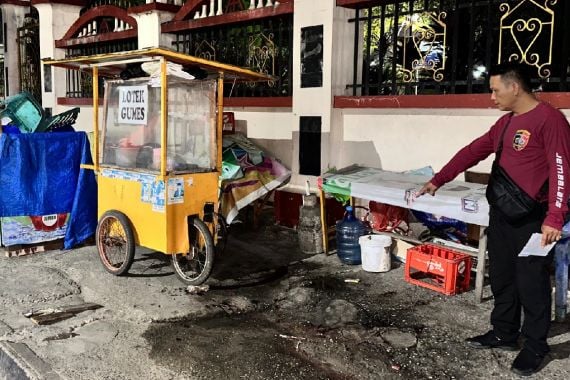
125	4
79	83
28	41
264	45
448	46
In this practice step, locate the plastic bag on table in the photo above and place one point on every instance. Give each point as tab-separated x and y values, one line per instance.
389	218
449	228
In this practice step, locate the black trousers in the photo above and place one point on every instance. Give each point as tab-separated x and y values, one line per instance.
519	282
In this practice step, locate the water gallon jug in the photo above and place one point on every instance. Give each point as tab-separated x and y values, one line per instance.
309	229
348	231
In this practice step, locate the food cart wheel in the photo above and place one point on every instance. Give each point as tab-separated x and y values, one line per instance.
115	242
195	267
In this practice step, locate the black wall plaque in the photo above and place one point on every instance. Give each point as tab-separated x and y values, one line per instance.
312	56
310	145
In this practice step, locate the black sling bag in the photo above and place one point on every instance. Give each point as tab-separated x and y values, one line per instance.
505	195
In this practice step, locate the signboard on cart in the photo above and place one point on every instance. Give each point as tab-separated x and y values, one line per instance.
133	105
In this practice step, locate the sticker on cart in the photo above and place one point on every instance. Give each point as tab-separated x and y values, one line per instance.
128	176
146	192
110	173
175	190
158	196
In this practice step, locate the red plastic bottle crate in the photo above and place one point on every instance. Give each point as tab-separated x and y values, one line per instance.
438	268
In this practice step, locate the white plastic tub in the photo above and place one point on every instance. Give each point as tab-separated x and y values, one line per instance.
375	251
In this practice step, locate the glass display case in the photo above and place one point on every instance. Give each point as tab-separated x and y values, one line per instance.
131	136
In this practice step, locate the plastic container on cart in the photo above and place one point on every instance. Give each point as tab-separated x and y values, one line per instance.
348	231
126	156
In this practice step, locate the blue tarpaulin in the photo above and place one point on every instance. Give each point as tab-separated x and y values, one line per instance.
40	174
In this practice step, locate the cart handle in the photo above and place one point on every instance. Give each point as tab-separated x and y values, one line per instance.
86	166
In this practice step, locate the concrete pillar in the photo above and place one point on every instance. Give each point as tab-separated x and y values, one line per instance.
149	34
318	101
55	20
342	66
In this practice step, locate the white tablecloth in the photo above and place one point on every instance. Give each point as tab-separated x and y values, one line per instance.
459	200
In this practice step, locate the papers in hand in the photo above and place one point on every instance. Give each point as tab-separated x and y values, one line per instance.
533	248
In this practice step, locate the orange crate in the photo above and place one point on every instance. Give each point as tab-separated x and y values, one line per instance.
438	268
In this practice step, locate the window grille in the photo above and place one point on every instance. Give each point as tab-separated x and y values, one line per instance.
118	3
448	46
264	45
79	83
28	41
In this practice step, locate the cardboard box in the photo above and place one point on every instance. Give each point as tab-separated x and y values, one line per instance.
32	229
400	249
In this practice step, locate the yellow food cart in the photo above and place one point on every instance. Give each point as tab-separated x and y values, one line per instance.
158	155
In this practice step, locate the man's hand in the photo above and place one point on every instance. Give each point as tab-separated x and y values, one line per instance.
549	235
428	188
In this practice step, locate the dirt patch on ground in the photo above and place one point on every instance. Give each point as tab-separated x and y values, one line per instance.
283	315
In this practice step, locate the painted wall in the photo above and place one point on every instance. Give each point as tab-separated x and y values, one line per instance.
270	128
85	118
404	139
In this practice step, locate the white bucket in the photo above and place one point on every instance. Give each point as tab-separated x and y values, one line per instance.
375	251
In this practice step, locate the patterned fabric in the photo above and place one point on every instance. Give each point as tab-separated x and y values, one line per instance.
250	174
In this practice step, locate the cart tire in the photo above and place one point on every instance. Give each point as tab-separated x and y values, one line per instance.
115	242
195	267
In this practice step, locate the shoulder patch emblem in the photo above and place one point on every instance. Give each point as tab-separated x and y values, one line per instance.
521	139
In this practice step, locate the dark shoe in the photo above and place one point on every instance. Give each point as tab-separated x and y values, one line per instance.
526	363
490	340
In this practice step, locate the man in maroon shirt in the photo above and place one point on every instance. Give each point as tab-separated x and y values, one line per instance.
535	150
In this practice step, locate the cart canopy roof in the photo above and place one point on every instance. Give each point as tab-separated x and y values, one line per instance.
111	64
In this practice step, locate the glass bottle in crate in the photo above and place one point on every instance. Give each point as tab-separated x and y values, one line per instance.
348	230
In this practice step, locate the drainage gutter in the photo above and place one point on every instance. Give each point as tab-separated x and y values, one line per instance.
18	362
